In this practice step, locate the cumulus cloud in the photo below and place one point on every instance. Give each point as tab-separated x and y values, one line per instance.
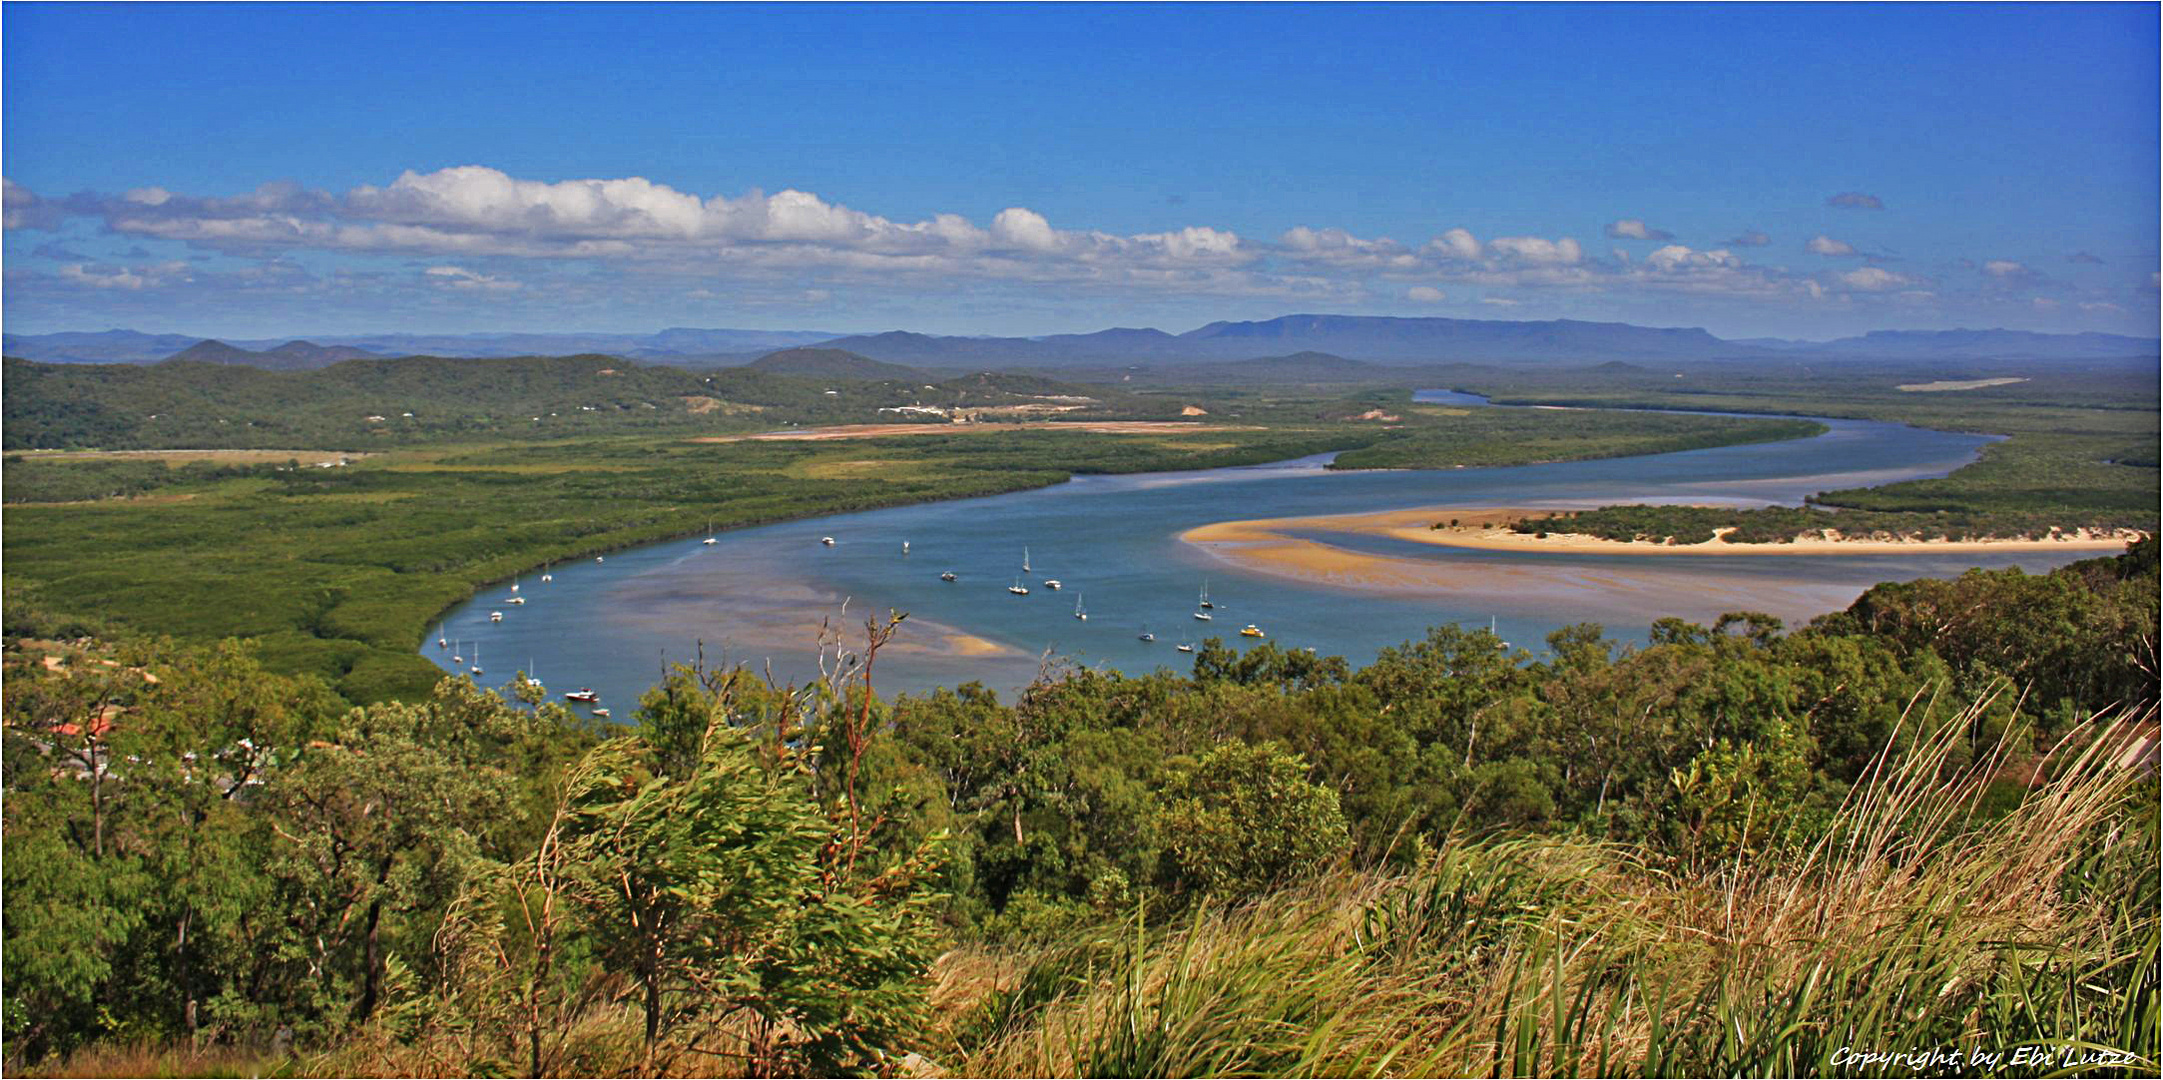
1633	229
1425	294
1822	244
20	208
1336	247
1875	279
1536	251
1749	238
1455	244
2005	269
1855	200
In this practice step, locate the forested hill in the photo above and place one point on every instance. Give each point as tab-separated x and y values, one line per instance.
366	403
831	364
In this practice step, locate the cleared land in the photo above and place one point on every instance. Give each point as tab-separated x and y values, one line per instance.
1962	384
881	431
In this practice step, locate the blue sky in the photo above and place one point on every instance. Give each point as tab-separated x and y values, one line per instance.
1806	171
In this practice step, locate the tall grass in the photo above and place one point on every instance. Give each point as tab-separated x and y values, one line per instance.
1916	925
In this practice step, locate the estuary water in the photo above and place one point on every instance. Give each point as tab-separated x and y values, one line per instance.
760	596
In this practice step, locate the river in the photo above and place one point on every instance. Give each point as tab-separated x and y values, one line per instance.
758	596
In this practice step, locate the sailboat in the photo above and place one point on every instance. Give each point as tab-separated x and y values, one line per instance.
441	642
1145	634
1499	643
1025	559
904	547
600	558
546	576
530	680
1204	603
1203	616
1017	588
1051	583
476	669
1186	646
1078	612
514	585
711	539
948	576
457	658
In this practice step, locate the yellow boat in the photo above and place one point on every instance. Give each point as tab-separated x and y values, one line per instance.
1251	630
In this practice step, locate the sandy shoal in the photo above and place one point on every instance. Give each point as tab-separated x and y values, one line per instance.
1488	530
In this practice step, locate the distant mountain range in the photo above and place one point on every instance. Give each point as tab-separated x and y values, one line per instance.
1358	338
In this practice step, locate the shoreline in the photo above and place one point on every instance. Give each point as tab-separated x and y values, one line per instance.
1487	529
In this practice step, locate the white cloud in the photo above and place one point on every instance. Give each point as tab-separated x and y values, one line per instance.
1336	247
1634	229
1535	251
1822	244
2099	306
1875	279
2004	268
1498	301
1454	244
2044	303
458	277
1020	227
20	208
1425	294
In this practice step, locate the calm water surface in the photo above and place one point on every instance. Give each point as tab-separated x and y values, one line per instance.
759	595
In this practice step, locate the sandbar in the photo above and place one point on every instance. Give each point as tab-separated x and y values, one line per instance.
1488	529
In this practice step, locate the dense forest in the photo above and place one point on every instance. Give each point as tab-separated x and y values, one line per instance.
1733	849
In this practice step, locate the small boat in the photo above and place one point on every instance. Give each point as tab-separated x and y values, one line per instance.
546	576
1025	560
1204	603
1251	630
1186	646
1145	634
1051	583
530	680
948	576
582	694
1078	612
827	540
476	668
904	547
441	641
710	541
600	558
495	616
456	658
1204	616
602	713
1017	588
514	585
516	600
1499	643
